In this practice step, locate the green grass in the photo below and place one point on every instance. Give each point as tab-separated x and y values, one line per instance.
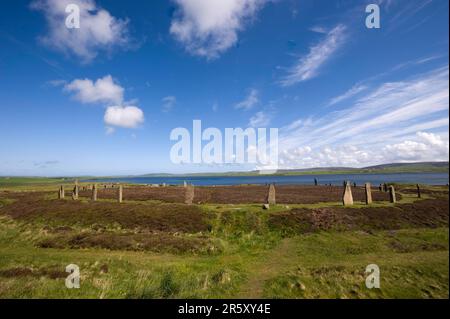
255	261
414	264
34	183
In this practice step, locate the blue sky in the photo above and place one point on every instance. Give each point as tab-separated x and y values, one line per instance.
103	99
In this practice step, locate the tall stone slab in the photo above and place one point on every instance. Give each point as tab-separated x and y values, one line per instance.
392	197
347	198
94	193
61	194
271	195
120	198
189	195
76	190
368	189
419	194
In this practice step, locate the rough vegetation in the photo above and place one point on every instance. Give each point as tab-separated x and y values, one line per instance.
153	246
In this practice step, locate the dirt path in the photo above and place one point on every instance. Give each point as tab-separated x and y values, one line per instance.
279	259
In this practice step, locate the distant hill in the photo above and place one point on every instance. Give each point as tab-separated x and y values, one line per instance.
418	167
411	167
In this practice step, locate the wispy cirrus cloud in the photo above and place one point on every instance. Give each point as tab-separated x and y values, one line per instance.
307	67
169	103
209	28
319	29
260	119
250	101
355	90
99	31
393	117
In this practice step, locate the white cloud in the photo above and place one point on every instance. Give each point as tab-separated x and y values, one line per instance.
250	101
168	103
308	66
209	28
356	89
426	147
99	30
124	116
103	90
397	121
341	156
413	150
260	119
107	92
319	29
109	130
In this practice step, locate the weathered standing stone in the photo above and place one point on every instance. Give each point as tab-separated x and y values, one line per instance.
189	195
61	192
380	188
368	189
185	184
347	198
385	187
271	195
392	196
76	191
419	195
94	193
120	199
316	182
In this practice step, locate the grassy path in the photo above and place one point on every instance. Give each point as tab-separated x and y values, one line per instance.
280	258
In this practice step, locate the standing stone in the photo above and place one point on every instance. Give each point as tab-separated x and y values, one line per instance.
347	198
368	189
354	185
94	193
76	190
316	182
120	199
271	196
61	192
380	188
419	195
385	187
392	197
189	195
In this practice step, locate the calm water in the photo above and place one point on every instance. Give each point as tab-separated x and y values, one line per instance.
375	179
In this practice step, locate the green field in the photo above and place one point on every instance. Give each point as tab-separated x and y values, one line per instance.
158	250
